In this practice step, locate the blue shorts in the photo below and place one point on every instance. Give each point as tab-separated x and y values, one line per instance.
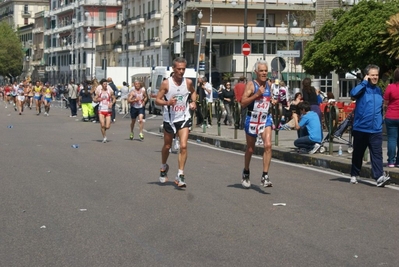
48	99
38	97
269	123
135	112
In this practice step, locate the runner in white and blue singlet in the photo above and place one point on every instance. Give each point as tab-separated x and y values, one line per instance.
257	97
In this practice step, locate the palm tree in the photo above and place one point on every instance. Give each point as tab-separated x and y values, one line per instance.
390	45
227	76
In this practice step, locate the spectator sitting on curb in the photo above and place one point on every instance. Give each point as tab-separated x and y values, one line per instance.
310	129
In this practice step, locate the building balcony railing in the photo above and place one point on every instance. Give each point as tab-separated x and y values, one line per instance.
241	3
26	14
253	32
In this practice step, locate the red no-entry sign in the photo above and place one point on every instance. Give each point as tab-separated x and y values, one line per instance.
246	49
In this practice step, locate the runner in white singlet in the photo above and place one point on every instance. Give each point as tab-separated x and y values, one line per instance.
106	98
137	98
258	99
177	96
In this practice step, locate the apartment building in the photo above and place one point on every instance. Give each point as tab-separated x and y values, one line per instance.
70	44
18	13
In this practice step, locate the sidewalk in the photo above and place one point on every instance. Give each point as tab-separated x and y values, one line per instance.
285	150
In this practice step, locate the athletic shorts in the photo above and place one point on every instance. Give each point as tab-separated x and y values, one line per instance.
269	123
178	125
105	113
47	99
21	98
135	112
38	97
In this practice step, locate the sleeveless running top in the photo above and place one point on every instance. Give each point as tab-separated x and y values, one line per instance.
47	93
259	110
139	94
180	111
38	90
105	100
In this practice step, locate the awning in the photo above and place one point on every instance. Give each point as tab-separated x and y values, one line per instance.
294	76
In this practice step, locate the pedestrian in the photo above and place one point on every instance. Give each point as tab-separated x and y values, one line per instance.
85	100
239	89
309	94
174	95
115	90
124	95
257	98
72	98
308	124
137	98
201	96
367	126
227	96
106	99
207	87
391	97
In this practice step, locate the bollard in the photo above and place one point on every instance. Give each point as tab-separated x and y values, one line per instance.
204	113
331	121
277	112
218	114
237	118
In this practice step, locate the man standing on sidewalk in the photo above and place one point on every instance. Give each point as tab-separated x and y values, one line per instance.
367	126
113	87
257	98
238	92
72	97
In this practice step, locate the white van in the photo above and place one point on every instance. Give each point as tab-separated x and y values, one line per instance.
158	74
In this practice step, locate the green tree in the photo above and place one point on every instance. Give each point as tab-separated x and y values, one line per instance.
351	39
11	53
390	43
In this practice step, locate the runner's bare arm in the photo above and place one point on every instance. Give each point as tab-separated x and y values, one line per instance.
190	87
159	100
248	95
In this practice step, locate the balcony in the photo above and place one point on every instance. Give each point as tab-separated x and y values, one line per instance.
155	42
237	32
155	15
26	14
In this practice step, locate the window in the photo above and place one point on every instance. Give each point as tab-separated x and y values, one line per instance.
269	20
325	83
26	9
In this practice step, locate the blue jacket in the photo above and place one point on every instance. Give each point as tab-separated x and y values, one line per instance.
368	111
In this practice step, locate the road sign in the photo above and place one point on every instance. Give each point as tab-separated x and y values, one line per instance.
278	63
200	32
246	49
288	53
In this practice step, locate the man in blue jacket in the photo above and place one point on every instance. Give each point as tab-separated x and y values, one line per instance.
367	126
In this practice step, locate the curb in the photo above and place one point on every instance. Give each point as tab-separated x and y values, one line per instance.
320	160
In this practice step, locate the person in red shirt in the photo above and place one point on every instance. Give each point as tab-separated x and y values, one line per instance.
239	89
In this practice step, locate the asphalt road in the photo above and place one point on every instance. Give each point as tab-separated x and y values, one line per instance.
102	205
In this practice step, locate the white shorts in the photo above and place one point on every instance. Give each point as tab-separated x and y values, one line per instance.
21	98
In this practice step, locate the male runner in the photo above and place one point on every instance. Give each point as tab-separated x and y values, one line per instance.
137	98
257	97
175	94
38	97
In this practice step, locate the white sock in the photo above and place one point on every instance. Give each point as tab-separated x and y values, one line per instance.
179	172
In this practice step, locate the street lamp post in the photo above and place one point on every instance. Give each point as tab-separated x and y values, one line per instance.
264	31
89	30
119	26
234	3
210	43
104	3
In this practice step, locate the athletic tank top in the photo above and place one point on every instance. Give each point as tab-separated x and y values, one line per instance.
38	89
180	111
139	95
105	100
262	103
47	93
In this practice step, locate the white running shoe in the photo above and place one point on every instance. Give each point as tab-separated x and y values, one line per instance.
179	181
315	148
265	181
245	180
163	177
353	180
105	140
383	180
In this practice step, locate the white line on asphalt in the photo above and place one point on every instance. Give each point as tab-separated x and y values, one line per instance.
207	145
